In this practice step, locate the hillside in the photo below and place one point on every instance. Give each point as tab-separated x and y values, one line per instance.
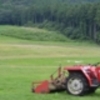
34	34
74	19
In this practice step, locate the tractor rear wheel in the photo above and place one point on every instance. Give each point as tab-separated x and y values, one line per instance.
77	84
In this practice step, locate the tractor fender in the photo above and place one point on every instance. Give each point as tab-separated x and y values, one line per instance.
79	70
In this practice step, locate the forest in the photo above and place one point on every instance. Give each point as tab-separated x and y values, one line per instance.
76	19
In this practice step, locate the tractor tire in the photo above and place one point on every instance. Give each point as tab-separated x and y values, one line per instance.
76	84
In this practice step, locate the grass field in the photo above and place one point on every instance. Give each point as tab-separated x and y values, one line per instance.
23	61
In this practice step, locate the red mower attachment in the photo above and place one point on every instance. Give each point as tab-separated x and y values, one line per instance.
52	85
40	87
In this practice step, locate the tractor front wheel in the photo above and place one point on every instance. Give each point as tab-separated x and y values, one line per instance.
77	84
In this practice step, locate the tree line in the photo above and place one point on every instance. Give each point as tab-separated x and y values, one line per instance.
76	21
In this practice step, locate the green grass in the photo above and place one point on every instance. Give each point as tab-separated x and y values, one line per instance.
31	33
23	61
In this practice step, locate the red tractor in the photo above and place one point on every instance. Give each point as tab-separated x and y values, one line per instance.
80	80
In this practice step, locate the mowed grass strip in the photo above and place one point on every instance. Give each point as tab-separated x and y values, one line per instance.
37	50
